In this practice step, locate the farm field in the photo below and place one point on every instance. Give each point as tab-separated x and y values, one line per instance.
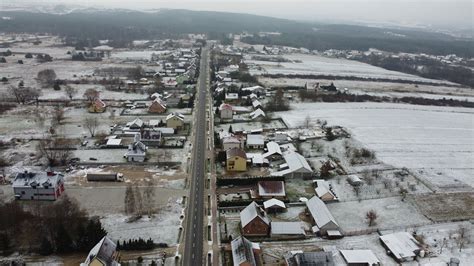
435	142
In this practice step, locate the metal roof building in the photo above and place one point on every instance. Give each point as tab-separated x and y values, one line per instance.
321	215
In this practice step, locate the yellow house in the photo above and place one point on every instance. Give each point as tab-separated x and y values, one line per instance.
103	253
236	160
175	120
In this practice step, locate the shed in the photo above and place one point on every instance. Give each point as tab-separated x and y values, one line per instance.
401	245
360	257
287	229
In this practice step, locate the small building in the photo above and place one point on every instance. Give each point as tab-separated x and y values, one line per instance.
97	106
310	258
255	141
282	137
103	253
271	189
257	114
354	180
152	135
244	252
323	190
360	257
231	142
226	111
38	186
296	166
158	106
257	160
274	206
401	245
113	142
322	217
287	230
236	160
231	97
136	151
256	104
254	221
136	124
175	120
273	151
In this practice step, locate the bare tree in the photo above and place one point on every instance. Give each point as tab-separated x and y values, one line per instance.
91	94
35	94
58	115
23	94
55	151
307	122
371	216
464	236
91	123
129	200
47	76
70	91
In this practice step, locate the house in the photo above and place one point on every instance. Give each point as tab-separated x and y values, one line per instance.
282	137
252	96
236	160
97	106
38	186
325	224
158	106
153	135
231	142
231	97
135	125
254	221
323	190
103	253
401	245
244	252
295	166
175	120
274	206
255	89
257	114
301	258
271	189
287	230
257	160
256	104
255	141
360	257
136	151
114	142
273	151
226	111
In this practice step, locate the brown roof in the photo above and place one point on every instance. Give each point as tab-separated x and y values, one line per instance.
236	152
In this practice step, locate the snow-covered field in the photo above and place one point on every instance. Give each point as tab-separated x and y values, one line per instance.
318	65
137	55
436	142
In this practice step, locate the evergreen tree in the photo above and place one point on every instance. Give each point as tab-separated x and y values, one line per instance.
230	129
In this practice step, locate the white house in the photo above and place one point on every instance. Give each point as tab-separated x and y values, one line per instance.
103	253
136	151
257	114
226	111
325	224
231	142
38	186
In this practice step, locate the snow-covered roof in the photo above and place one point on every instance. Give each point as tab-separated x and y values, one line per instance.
401	244
231	96
322	188
135	123
271	188
242	251
255	139
253	88
359	256
257	158
272	203
257	113
230	139
287	228
272	148
103	251
225	106
320	212
175	114
256	103
251	212
296	164
114	142
30	179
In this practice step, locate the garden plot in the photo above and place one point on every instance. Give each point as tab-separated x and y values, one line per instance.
162	227
303	64
416	137
251	125
446	206
22	123
392	214
137	55
296	188
50	94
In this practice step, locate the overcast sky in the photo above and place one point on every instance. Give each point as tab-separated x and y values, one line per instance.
456	13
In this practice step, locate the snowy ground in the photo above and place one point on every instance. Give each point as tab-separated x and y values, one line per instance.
250	125
425	139
318	65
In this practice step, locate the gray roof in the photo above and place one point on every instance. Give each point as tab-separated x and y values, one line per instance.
251	212
254	139
104	251
401	244
287	228
320	212
242	251
361	256
296	164
311	259
272	148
